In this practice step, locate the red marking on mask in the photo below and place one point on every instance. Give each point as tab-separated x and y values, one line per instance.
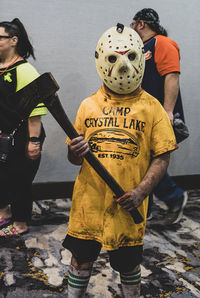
122	53
137	71
110	71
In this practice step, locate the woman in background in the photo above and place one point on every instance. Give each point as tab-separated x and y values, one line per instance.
19	167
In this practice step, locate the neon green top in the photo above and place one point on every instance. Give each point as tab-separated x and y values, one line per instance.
26	73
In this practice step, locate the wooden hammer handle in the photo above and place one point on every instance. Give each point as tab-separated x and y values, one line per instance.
54	106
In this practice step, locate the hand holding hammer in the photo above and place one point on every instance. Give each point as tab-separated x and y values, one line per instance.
43	89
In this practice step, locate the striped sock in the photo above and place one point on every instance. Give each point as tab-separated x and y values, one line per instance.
131	283
77	282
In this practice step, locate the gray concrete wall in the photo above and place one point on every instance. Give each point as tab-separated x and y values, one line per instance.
64	34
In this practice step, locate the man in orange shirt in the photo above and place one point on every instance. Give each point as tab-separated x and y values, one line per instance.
161	79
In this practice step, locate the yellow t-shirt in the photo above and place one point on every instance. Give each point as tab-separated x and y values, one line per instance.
123	133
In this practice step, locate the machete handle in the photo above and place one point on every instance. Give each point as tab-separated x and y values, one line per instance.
54	106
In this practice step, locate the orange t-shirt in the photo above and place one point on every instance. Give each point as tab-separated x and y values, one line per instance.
167	55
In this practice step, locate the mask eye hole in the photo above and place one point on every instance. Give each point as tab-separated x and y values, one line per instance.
132	56
112	59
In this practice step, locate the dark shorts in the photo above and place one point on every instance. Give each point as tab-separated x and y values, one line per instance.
124	259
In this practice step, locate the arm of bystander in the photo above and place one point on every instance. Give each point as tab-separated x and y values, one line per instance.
171	88
34	128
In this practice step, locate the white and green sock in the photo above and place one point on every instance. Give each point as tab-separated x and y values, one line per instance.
77	282
131	284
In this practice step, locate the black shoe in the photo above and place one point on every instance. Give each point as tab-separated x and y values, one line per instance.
175	211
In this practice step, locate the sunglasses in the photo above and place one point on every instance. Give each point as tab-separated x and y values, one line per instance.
5	36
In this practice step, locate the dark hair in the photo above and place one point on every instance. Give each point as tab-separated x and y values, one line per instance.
158	29
151	17
16	28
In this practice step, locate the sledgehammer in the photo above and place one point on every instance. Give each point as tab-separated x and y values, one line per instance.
43	89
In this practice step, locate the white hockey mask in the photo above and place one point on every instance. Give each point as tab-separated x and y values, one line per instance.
120	59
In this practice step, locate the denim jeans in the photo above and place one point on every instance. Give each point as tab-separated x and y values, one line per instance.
165	191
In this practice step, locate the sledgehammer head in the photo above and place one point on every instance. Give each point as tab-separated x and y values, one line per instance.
27	98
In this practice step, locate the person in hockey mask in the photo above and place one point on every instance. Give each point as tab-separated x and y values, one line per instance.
120	60
123	126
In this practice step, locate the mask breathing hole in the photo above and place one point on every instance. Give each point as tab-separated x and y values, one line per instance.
96	55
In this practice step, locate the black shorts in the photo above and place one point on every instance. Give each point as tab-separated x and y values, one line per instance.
124	259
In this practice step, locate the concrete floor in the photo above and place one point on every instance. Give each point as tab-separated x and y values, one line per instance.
35	264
